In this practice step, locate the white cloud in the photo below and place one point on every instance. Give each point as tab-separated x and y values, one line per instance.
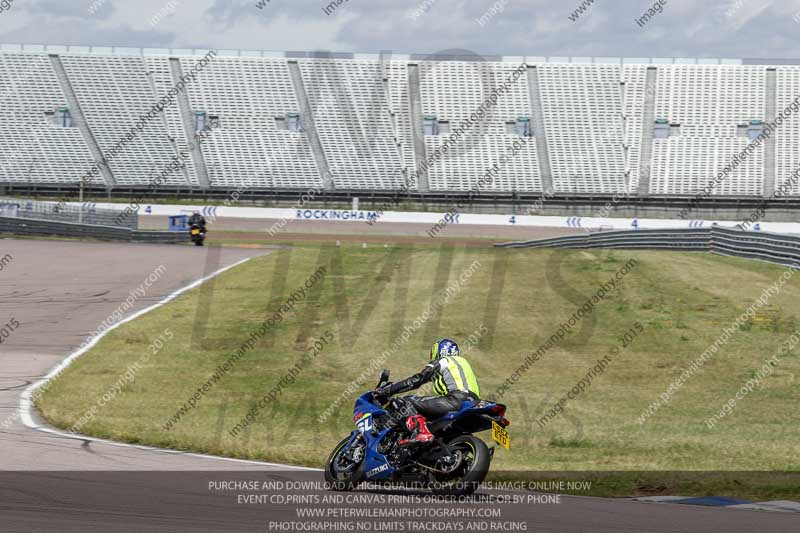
525	27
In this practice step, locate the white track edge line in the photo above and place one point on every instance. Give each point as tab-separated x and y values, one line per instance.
26	405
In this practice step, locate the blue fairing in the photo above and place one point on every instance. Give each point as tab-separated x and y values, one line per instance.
376	466
467	408
364	404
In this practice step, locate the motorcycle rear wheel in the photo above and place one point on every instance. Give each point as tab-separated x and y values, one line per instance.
470	473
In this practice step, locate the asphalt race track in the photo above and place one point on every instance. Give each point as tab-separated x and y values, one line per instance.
60	291
255	230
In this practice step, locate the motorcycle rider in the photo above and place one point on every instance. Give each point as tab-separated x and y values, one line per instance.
453	382
198	219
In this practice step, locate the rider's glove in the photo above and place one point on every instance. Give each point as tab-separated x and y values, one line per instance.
382	394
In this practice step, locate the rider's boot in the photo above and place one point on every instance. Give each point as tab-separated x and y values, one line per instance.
418	427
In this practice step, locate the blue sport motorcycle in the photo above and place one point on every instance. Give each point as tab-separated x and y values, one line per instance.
455	463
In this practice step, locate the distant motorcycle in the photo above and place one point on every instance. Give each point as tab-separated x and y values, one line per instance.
455	463
198	234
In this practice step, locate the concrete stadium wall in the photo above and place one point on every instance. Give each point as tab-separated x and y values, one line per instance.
363	216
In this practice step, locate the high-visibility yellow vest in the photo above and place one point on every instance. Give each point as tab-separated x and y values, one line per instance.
453	373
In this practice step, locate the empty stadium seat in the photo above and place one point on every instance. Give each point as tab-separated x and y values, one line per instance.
114	91
248	149
582	107
709	102
453	91
34	148
351	110
787	149
347	122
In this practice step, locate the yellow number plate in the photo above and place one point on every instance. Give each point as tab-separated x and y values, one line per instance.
195	231
501	436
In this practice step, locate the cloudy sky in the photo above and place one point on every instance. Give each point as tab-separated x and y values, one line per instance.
682	28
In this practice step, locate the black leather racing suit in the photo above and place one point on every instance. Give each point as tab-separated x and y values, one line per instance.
198	219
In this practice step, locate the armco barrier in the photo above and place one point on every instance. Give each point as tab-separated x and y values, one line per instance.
771	247
85	213
20	226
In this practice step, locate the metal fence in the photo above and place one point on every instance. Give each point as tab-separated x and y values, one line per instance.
49	228
771	247
86	213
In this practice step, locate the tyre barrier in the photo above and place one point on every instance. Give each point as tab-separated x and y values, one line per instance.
47	228
770	247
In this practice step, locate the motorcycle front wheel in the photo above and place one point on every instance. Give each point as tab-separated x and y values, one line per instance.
344	469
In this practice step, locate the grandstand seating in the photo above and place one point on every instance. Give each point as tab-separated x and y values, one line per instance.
596	127
635	96
158	69
684	165
452	91
248	149
582	107
351	110
709	102
787	156
397	73
114	91
34	149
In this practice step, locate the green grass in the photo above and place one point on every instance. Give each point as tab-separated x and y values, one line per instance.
682	301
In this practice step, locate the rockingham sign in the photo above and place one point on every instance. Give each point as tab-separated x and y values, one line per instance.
334	214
